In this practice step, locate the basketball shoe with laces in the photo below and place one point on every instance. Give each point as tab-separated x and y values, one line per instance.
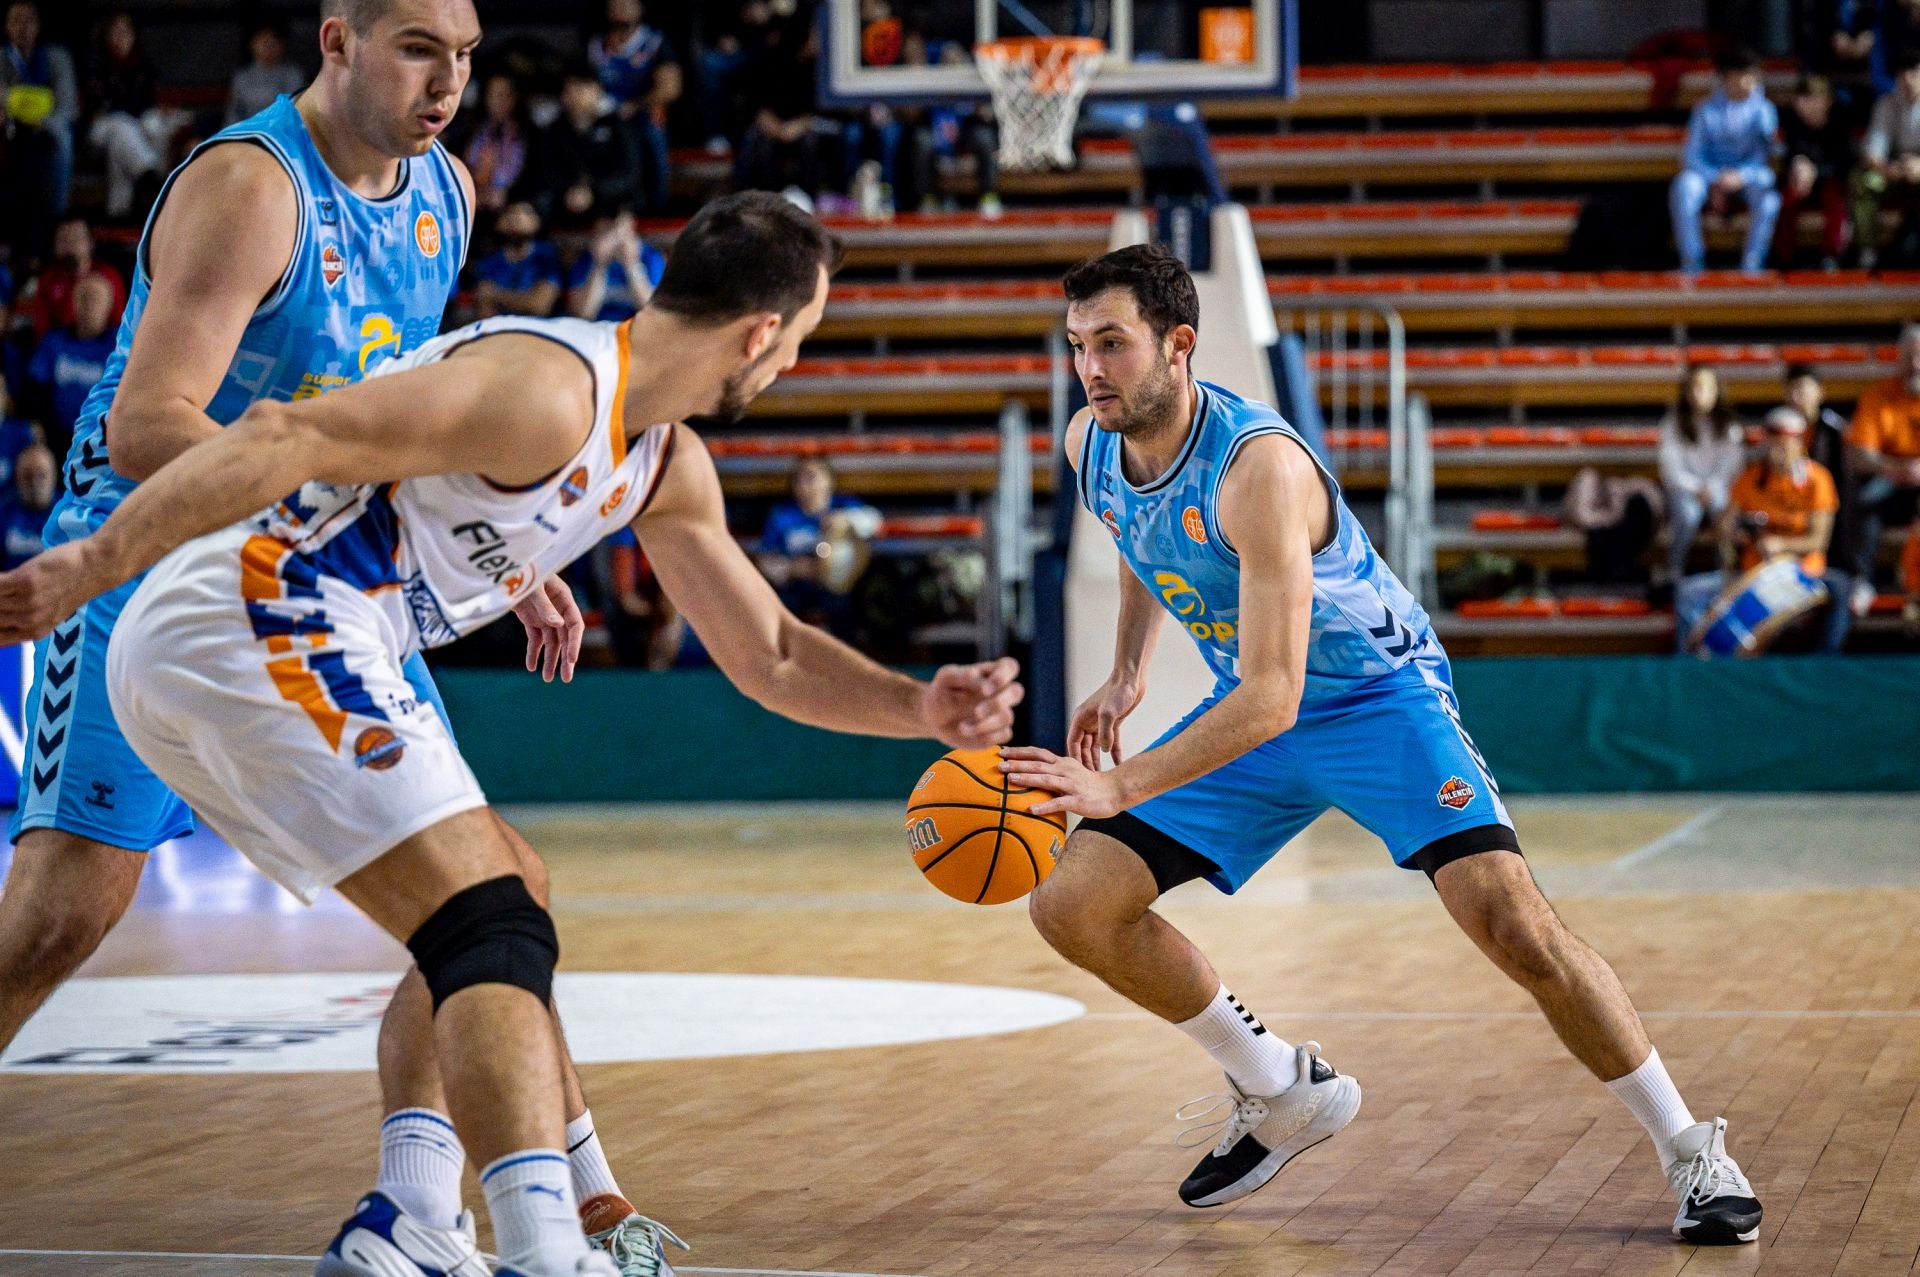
1264	1132
1717	1205
637	1244
381	1240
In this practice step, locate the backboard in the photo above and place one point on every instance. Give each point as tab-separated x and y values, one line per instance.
906	51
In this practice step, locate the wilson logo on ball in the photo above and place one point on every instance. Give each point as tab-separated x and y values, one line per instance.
923	834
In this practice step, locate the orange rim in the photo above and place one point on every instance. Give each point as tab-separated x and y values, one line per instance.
1050	56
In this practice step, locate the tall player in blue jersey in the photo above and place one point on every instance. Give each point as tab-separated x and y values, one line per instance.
1331	691
293	253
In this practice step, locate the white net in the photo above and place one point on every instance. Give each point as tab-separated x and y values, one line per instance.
1037	85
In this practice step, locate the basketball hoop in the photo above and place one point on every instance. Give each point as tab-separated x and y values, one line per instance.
1037	83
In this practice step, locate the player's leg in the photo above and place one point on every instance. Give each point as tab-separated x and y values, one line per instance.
1096	911
1405	767
63	894
89	809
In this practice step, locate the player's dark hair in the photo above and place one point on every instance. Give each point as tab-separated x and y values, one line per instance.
359	14
1736	57
749	253
1160	284
1796	371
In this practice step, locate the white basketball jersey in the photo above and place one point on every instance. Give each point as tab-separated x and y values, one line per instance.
447	554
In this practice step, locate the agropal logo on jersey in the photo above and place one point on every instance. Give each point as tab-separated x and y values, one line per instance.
1189	607
1193	525
426	234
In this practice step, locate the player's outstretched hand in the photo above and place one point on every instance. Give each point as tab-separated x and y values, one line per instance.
971	706
1080	789
1095	729
554	629
41	593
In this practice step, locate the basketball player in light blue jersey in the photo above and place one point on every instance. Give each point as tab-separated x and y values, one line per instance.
293	253
1331	691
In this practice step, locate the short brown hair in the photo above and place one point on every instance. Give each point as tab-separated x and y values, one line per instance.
749	253
1161	285
358	14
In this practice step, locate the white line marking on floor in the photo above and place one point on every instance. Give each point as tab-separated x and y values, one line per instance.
308	1259
1672	838
1903	1013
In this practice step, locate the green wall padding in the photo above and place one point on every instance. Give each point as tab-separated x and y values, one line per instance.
1546	725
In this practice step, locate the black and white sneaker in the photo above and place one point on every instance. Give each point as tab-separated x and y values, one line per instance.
1717	1205
1264	1132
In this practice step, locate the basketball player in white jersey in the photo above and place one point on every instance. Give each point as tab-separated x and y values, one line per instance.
257	669
294	252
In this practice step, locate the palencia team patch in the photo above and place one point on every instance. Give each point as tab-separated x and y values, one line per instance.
1456	793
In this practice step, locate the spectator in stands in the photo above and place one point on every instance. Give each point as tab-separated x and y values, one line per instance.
733	46
497	153
646	630
614	278
1827	444
17	434
42	93
49	301
816	547
946	132
586	159
1896	37
1835	36
70	360
1728	161
1819	156
1702	450
641	73
267	76
523	275
1889	172
128	128
1782	504
24	513
784	144
1884	442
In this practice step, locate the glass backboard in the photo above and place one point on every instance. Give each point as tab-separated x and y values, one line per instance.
922	50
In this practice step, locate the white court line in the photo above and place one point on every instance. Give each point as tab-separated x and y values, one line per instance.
1672	838
1903	1013
309	1259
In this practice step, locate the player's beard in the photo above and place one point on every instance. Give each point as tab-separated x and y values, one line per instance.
734	396
1151	406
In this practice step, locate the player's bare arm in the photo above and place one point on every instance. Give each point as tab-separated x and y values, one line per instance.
792	668
514	416
220	245
1095	727
1272	505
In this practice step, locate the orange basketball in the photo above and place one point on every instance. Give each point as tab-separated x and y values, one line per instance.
972	836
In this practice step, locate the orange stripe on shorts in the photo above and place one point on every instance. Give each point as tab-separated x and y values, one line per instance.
297	683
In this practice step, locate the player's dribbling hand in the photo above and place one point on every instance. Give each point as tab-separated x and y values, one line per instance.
1095	729
1079	789
554	629
41	593
971	706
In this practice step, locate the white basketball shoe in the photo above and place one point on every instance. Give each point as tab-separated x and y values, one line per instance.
639	1246
381	1240
1717	1205
1265	1132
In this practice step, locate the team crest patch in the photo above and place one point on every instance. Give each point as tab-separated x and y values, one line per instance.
333	264
377	748
1113	524
426	233
1194	526
574	486
1456	793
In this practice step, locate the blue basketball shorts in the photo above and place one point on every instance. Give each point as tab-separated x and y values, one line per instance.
1393	755
80	776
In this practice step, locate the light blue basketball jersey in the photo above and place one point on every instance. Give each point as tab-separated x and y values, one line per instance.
368	279
1365	622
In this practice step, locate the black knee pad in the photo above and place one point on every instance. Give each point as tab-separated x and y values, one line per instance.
491	933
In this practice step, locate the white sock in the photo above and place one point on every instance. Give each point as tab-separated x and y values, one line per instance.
1649	1095
592	1177
420	1163
536	1222
1258	1061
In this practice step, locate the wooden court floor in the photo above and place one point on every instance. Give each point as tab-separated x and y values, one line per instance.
1770	942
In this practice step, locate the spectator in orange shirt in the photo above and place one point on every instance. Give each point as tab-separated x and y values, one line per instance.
1884	444
1781	505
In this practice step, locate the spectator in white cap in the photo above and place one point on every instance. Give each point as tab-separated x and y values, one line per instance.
1781	506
